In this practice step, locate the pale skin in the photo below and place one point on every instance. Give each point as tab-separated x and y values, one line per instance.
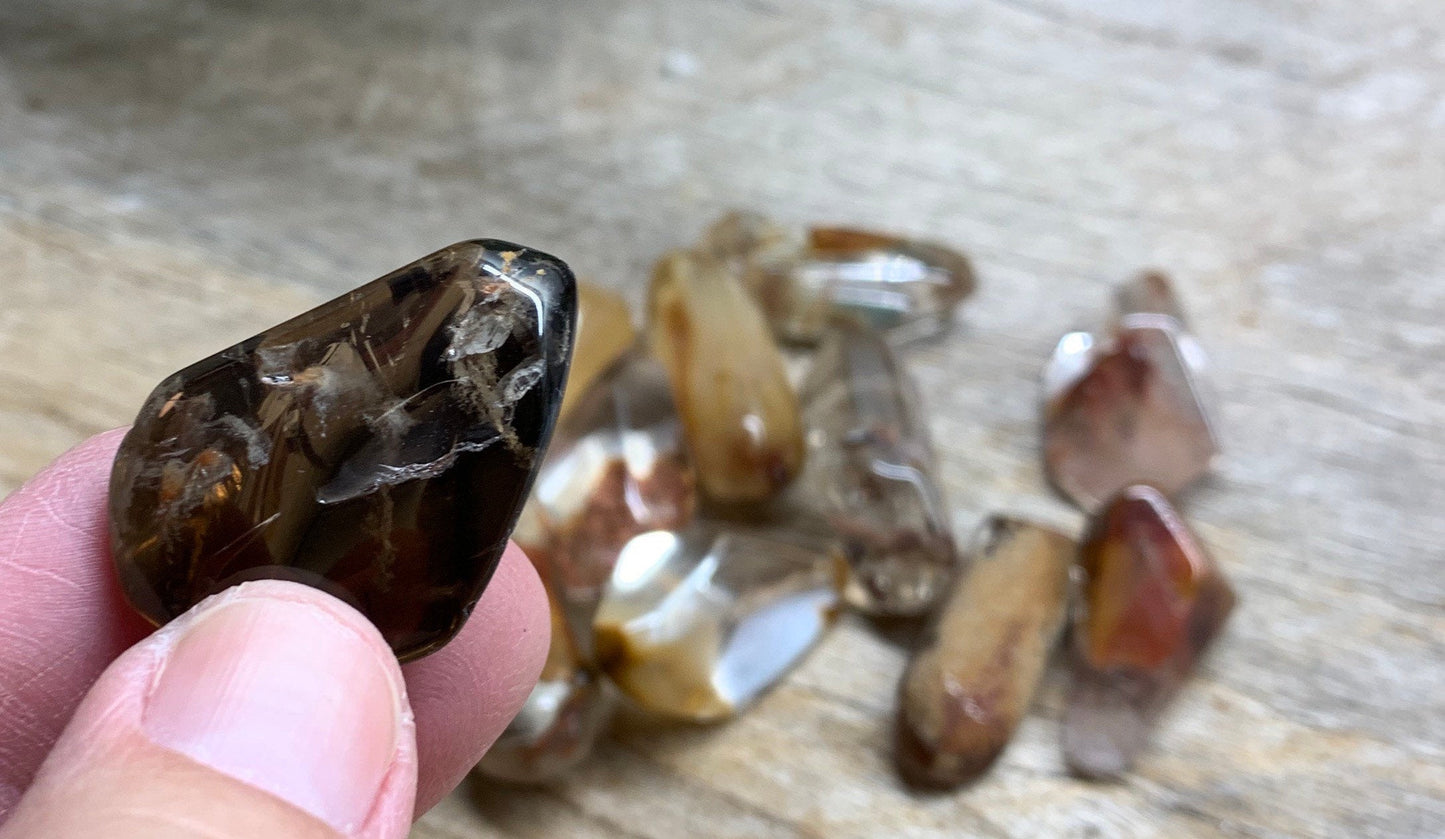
269	710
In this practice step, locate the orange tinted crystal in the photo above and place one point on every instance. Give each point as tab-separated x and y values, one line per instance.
1143	571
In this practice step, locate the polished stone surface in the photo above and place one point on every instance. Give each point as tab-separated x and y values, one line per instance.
604	333
738	409
697	624
617	467
1152	600
378	447
967	688
801	277
1129	410
870	473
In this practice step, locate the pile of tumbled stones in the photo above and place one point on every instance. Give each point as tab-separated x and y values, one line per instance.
711	502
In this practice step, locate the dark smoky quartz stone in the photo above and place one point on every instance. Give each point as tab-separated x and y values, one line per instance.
378	447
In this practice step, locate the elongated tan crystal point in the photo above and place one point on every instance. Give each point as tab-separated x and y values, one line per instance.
737	407
870	473
968	687
698	623
604	333
1152	600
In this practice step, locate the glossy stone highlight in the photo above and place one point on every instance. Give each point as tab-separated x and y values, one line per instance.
1072	359
968	687
1152	600
377	447
905	287
870	473
560	722
697	624
738	409
1123	412
617	467
604	333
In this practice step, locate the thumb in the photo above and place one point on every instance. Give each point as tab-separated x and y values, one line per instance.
271	709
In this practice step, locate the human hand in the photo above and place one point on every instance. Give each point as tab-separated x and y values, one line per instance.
271	709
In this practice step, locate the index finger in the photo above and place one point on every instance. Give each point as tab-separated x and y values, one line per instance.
62	617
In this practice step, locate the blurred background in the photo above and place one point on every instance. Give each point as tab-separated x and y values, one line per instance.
175	176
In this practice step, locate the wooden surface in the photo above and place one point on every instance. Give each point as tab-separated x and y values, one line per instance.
174	177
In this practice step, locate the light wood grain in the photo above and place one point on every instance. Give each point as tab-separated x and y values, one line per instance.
175	176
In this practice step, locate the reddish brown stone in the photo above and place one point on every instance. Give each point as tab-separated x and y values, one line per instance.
1151	602
1130	411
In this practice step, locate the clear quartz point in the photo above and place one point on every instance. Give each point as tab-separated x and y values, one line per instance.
801	277
870	473
698	623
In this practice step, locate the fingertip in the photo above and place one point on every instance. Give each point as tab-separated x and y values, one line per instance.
465	694
79	466
74	484
62	598
525	597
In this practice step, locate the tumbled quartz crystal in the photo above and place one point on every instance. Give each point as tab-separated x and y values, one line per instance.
801	277
970	684
604	333
559	723
1151	602
870	473
697	624
617	467
738	409
378	447
1130	410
